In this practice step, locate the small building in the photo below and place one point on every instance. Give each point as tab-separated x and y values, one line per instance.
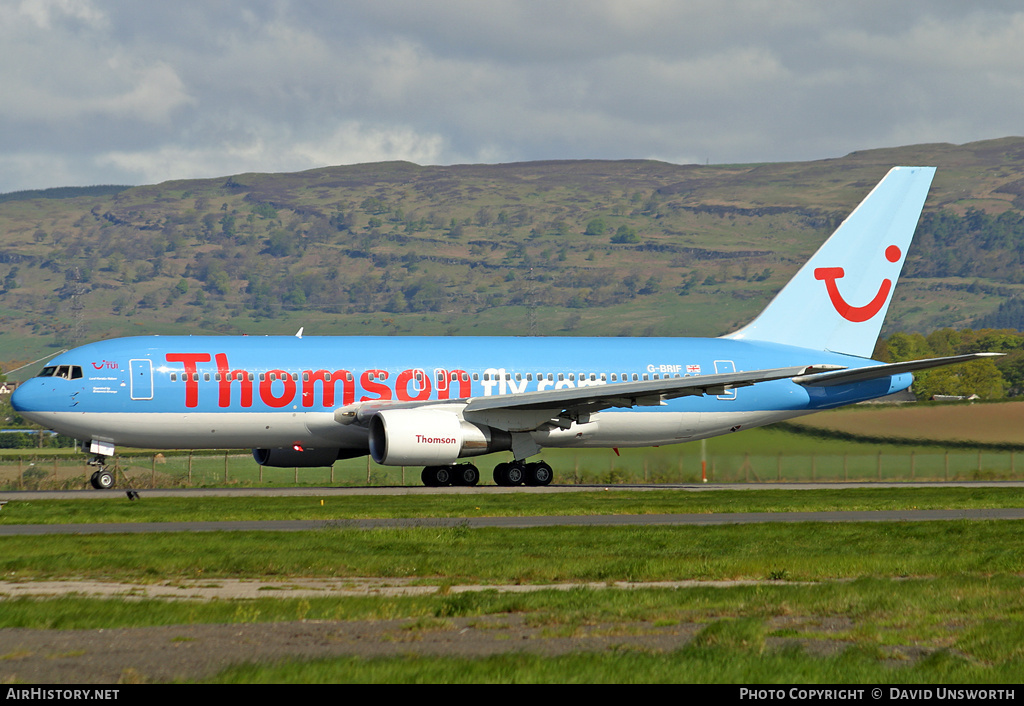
901	397
954	398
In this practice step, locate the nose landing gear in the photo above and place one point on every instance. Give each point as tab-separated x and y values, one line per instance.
102	478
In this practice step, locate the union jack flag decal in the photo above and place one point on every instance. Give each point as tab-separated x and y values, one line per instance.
693	369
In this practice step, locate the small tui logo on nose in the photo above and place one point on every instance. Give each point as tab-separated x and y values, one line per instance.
856	314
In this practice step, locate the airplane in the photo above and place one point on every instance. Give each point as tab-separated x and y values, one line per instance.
308	401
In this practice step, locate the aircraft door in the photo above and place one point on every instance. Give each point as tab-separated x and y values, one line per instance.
726	366
141	384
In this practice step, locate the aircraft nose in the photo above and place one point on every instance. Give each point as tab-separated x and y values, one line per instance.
21	397
33	396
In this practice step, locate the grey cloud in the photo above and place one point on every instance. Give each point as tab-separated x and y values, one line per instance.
119	91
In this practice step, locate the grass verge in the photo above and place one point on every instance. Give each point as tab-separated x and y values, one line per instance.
715	664
881	630
808	551
929	602
610	502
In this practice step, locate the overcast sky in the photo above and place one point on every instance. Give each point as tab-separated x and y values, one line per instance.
129	92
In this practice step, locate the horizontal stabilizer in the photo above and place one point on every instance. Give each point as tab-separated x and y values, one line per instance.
873	372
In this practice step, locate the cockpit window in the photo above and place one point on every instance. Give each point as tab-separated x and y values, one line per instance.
68	372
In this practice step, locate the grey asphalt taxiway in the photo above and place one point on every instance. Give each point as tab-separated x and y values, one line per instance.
910	515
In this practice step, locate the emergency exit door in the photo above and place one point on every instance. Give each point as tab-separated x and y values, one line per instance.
726	366
141	384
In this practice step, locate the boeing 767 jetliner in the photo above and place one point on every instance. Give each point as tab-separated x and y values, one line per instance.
309	401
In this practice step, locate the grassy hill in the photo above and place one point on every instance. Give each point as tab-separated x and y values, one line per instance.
629	247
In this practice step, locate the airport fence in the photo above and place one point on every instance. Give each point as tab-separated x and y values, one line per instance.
599	466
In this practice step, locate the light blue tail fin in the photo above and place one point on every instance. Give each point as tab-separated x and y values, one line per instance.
837	301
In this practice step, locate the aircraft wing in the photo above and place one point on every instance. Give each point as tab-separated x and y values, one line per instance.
645	393
528	410
872	372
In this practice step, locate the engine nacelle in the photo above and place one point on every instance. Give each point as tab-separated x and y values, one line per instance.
292	458
430	437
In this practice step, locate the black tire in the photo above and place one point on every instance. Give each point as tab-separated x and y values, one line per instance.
515	474
465	474
429	476
102	479
539	473
501	474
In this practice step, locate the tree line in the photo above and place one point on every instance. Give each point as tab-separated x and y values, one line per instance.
990	378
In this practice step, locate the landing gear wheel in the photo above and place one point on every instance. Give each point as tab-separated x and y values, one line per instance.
436	476
457	474
465	474
516	473
539	473
509	474
102	479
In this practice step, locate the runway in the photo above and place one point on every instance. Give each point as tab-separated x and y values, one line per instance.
680	519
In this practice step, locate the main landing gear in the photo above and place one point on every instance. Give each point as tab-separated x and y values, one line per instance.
101	479
456	474
506	474
520	473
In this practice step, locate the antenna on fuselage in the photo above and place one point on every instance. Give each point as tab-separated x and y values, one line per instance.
45	357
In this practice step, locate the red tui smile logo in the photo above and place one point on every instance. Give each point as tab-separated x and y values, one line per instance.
856	314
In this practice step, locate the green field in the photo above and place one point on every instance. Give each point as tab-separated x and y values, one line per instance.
583	467
593	468
873	602
600	502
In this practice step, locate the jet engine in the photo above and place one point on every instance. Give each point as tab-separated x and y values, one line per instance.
412	437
